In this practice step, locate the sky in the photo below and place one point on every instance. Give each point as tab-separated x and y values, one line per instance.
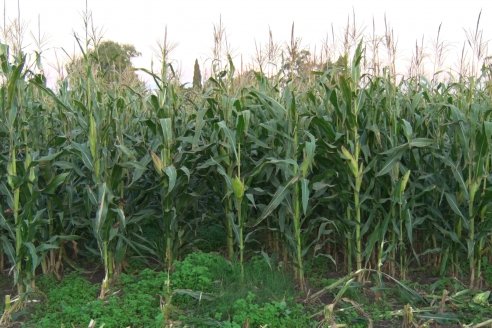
190	23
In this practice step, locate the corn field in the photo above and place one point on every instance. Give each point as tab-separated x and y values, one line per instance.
338	161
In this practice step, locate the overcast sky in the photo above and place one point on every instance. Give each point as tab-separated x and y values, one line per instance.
190	23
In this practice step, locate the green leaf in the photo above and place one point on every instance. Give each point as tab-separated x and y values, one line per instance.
242	123
6	226
407	129
52	95
8	249
113	232
101	213
221	171
482	146
33	255
420	142
356	59
121	216
453	204
69	166
309	152
305	194
125	150
85	155
172	175
186	171
199	125
155	102
138	168
167	132
230	138
251	199
48	158
46	247
270	104
91	196
55	183
457	175
12	83
277	199
391	161
482	298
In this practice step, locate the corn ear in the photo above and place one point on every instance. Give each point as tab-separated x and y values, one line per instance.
404	182
92	137
353	164
238	188
158	165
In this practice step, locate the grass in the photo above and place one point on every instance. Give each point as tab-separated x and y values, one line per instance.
268	296
136	299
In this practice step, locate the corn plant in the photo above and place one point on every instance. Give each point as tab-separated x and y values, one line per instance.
20	173
348	162
352	98
173	157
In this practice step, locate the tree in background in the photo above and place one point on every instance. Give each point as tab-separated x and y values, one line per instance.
110	63
197	76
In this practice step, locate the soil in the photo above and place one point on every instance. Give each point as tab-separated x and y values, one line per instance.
5	287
